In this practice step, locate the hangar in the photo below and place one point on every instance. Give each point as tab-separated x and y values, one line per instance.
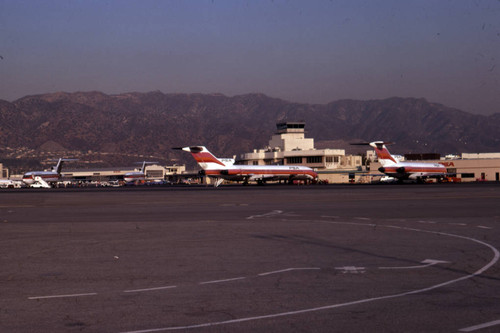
153	172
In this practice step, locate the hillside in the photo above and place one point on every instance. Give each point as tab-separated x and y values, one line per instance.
119	128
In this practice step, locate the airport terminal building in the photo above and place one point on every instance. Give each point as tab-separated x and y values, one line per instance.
153	172
289	146
4	172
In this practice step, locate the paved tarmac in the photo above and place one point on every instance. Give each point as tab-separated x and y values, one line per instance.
334	258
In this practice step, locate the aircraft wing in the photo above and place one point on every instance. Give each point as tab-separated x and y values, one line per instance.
255	177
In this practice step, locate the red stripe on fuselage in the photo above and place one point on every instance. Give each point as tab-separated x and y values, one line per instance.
134	176
41	175
410	169
383	154
205	157
46	176
250	172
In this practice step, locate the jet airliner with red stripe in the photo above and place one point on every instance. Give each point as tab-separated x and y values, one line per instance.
404	170
52	176
221	169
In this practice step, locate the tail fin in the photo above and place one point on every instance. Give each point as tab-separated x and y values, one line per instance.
60	163
144	163
205	159
384	157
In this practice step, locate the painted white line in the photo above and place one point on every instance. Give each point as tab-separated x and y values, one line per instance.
149	289
351	269
362	218
426	262
484	227
62	296
428	222
274	212
480	326
495	259
225	280
288	270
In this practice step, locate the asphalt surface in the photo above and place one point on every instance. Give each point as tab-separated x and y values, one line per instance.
335	258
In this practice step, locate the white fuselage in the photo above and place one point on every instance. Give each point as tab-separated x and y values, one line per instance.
134	176
47	176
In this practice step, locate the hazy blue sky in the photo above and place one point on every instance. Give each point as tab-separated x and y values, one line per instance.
447	51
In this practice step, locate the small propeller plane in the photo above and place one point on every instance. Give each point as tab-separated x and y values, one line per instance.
222	169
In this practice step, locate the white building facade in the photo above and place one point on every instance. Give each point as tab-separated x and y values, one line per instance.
289	146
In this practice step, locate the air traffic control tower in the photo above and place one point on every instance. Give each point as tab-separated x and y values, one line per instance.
289	146
291	136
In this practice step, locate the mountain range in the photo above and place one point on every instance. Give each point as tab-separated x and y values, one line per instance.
134	126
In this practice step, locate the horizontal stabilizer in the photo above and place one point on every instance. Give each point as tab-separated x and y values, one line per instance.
378	144
192	149
359	143
63	159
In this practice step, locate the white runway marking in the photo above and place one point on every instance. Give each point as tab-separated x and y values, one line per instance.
480	326
484	227
148	289
173	286
225	280
288	270
274	212
62	296
495	259
426	262
428	222
351	270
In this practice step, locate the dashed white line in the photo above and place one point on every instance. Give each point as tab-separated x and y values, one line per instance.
274	212
148	289
496	257
62	296
351	270
174	286
480	326
289	269
224	280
